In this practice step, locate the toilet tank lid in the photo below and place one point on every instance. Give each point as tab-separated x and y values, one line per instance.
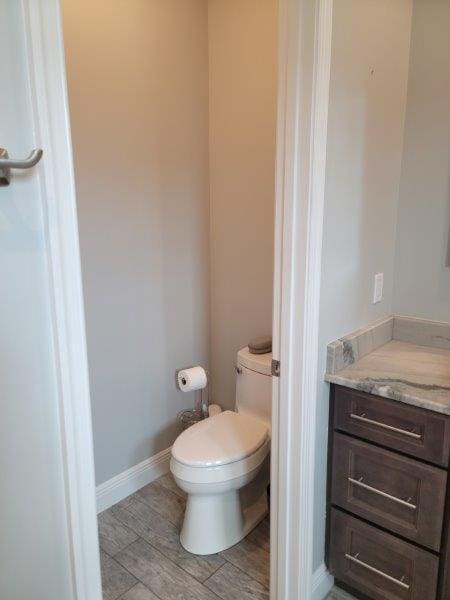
260	363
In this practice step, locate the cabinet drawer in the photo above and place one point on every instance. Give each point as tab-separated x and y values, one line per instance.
390	490
415	431
378	564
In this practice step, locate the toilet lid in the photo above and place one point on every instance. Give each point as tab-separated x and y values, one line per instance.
219	440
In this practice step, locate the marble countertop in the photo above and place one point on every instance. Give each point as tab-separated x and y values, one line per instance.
404	371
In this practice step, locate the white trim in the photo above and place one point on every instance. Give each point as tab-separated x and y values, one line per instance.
51	118
301	161
322	583
119	487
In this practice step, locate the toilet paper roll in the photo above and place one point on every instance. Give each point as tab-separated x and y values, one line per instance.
193	379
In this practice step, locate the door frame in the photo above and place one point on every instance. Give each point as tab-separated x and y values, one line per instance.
303	91
50	111
304	78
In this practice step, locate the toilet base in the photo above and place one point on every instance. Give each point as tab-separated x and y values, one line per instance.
214	523
220	514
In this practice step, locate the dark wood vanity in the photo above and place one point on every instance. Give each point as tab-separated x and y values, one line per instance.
388	506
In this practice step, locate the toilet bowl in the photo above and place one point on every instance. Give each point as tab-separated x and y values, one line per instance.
222	463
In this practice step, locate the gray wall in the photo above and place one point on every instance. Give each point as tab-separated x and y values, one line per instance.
34	549
365	133
242	107
140	136
422	281
145	223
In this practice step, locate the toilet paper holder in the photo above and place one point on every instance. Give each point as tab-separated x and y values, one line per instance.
200	411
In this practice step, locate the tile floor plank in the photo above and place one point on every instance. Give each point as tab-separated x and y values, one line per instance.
113	536
115	579
165	502
230	583
163	535
160	575
250	558
139	592
261	534
142	534
167	481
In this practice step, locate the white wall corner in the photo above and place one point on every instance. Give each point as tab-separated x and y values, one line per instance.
119	487
322	583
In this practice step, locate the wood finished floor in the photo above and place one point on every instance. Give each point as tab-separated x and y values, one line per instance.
142	558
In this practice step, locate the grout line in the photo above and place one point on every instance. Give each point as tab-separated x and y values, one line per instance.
125	569
142	499
104	552
209	589
126	591
126	546
149	589
137	578
216	570
231	564
180	494
242	571
142	583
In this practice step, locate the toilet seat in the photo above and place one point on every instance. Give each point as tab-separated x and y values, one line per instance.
220	440
223	473
221	448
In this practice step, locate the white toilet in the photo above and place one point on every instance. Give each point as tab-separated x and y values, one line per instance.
222	463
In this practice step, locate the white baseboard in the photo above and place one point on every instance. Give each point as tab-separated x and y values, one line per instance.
119	487
322	583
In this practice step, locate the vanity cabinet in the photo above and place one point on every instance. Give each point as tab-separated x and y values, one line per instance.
388	501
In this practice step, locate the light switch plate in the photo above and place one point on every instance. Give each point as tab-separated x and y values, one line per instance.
378	288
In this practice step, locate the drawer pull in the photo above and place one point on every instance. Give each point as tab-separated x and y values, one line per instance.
356	560
364	419
360	483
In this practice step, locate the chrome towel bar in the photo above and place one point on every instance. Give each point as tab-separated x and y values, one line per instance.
7	163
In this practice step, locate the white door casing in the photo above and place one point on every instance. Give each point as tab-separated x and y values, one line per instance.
304	75
51	113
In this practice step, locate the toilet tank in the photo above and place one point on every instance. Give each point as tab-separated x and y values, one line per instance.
254	384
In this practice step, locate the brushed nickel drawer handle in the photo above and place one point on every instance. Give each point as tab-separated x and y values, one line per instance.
356	560
364	419
360	483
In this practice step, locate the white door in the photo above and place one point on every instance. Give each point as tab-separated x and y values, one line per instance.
37	525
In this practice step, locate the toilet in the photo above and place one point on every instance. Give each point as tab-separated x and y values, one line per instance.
222	463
